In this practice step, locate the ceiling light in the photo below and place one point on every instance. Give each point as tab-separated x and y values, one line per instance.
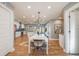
44	16
33	15
29	7
24	16
49	7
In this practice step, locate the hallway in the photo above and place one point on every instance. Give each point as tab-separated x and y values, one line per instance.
27	29
21	48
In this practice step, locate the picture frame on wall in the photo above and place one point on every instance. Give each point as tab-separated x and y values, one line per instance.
58	28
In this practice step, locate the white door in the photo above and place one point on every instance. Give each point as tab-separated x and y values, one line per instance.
74	35
72	25
66	32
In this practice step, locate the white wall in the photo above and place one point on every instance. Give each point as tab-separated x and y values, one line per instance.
52	34
6	30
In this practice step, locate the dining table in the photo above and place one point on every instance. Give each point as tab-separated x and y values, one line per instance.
38	41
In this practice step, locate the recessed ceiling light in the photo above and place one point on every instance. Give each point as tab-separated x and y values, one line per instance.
29	7
24	16
49	7
33	15
44	16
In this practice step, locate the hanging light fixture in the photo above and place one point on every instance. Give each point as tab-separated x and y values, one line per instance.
38	20
38	23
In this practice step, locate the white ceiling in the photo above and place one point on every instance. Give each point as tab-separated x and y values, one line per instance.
20	10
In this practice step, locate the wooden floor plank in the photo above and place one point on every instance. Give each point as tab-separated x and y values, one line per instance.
21	48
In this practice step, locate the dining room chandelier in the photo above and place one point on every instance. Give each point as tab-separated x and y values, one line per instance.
38	19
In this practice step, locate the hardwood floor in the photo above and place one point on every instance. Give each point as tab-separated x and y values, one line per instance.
54	48
21	48
36	52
